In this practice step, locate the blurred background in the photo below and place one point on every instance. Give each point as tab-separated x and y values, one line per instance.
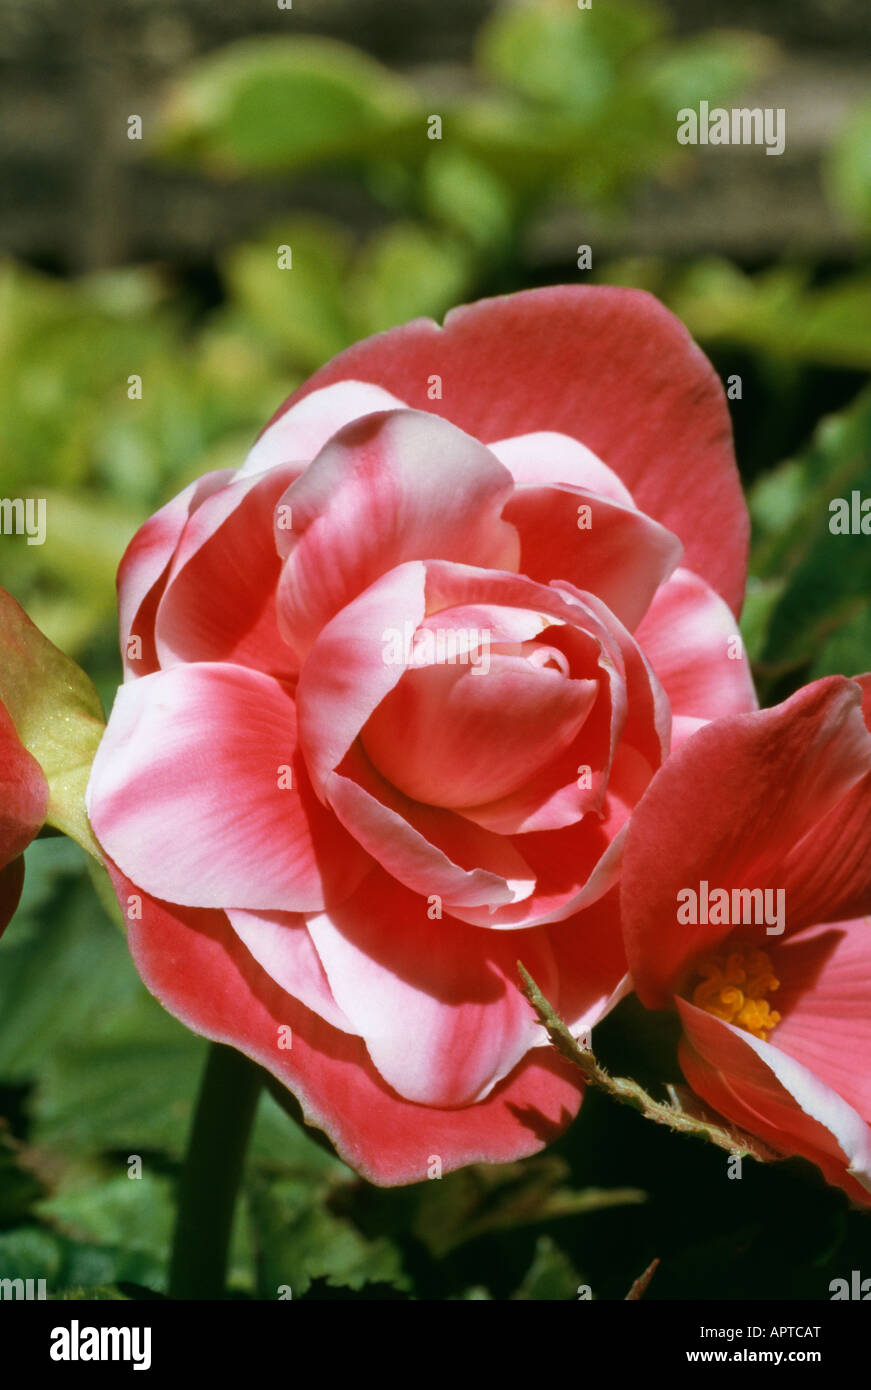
158	257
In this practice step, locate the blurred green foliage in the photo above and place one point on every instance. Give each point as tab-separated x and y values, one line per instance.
561	107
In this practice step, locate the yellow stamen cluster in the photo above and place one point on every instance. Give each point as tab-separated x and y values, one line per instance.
733	987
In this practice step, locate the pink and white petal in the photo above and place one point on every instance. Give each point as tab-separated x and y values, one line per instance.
547	459
575	783
619	555
430	850
351	668
576	617
824	1000
732	807
647	725
145	565
296	435
766	1091
458	735
610	367
573	868
219	599
387	489
437	1003
590	963
186	794
692	642
202	973
281	944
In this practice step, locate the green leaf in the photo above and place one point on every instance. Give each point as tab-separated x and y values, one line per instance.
481	1200
63	966
29	1252
112	1209
302	309
711	66
775	314
551	1276
468	198
20	1188
823	598
560	55
404	272
848	168
264	105
37	1252
103	1293
57	713
297	1239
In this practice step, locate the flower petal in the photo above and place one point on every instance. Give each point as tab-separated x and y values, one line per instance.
619	554
437	1003
430	850
299	433
824	1000
691	640
219	599
770	1094
349	670
458	735
590	963
201	972
387	489
187	794
145	565
280	942
610	367
23	794
776	798
548	459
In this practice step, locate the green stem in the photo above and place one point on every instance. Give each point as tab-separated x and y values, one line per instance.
212	1169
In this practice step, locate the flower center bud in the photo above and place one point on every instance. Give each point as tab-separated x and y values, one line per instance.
734	987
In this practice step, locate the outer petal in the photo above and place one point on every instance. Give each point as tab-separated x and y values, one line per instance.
186	793
437	1003
144	567
691	639
766	1091
547	459
622	556
779	798
387	489
219	599
300	433
201	972
610	367
281	944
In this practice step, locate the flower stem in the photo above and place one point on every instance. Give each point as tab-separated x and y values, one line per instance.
212	1169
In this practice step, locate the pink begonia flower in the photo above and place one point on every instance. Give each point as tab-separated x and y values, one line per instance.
776	1018
23	802
392	692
